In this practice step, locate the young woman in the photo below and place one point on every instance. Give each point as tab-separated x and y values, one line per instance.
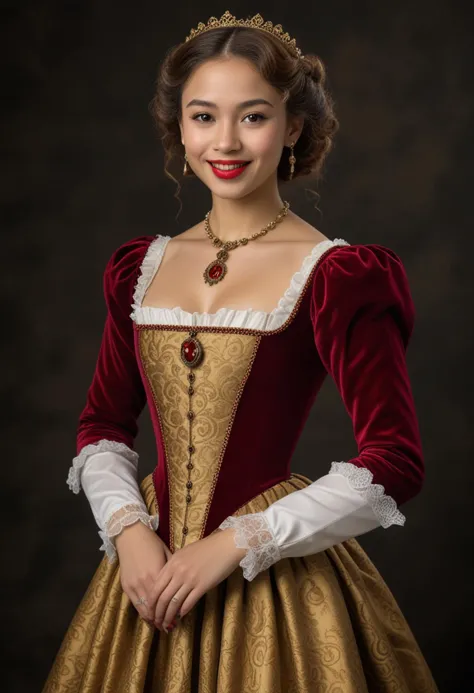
224	571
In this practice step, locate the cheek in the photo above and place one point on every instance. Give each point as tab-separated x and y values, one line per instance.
196	139
196	143
266	142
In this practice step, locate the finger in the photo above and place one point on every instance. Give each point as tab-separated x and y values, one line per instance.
190	601
175	587
175	605
162	581
141	603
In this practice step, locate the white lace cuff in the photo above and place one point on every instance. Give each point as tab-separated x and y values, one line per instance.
253	532
360	479
108	474
75	471
340	505
124	517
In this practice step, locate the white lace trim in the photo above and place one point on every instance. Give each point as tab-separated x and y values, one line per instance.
104	445
360	478
253	532
148	269
224	317
124	517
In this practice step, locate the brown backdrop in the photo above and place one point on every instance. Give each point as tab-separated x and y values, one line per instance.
84	173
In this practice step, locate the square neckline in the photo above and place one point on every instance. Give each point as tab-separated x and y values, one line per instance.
224	316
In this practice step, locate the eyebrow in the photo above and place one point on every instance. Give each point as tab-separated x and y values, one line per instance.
243	104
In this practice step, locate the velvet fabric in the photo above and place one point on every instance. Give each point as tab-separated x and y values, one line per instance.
116	395
363	317
354	322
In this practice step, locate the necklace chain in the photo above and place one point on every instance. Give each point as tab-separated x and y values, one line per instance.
230	245
217	269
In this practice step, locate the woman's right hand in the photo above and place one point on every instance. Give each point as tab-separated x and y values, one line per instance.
142	554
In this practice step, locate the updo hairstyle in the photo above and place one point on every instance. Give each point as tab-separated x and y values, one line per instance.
301	81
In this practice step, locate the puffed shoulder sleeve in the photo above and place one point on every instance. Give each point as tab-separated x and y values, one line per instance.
106	463
362	316
116	395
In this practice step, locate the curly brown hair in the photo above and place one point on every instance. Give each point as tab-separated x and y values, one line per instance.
301	81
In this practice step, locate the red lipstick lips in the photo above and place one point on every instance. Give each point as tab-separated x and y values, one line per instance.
228	161
231	173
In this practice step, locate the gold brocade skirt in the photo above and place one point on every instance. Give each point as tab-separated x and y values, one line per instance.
325	623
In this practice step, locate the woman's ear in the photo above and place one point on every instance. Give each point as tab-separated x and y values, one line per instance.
294	128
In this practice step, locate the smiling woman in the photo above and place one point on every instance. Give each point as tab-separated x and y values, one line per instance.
284	88
229	126
234	574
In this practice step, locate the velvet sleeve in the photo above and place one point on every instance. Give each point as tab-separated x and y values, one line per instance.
363	317
116	395
106	465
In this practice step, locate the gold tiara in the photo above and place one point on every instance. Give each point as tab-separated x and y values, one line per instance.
256	22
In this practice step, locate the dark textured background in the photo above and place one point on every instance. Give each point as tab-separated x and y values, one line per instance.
84	173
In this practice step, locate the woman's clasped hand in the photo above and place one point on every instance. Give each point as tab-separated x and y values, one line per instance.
151	575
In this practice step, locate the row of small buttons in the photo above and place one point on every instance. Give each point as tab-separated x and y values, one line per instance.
191	355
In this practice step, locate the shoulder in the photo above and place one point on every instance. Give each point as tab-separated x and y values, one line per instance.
361	267
353	279
122	268
128	256
361	259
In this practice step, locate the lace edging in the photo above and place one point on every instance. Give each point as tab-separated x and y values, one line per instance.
108	545
253	532
360	478
151	261
104	445
225	317
288	300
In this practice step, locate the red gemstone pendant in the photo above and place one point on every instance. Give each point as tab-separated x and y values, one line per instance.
191	352
215	272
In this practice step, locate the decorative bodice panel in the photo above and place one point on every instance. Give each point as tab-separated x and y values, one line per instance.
195	409
227	425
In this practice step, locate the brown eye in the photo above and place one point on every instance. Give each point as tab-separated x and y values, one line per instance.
259	117
256	115
198	115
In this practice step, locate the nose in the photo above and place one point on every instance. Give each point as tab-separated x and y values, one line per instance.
227	138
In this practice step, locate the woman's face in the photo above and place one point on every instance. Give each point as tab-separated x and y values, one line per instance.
227	129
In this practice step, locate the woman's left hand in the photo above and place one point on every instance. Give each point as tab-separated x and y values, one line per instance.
191	572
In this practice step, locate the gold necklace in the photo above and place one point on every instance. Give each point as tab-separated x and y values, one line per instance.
217	269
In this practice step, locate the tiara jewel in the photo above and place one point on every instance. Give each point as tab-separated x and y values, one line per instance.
255	22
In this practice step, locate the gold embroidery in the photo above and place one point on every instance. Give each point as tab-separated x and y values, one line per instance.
219	382
229	428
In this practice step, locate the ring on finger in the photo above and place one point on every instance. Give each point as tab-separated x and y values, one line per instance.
175	599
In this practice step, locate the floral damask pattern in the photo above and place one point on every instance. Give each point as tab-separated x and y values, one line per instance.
325	623
216	391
